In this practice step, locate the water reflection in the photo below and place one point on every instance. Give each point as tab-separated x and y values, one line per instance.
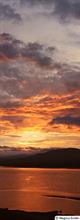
25	189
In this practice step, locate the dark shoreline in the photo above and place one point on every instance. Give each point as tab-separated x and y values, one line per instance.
63	197
6	214
35	167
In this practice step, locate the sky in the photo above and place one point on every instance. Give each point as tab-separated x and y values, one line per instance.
39	73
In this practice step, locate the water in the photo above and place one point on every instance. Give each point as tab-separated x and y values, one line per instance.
36	189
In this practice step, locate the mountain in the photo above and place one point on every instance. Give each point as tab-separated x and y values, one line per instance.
53	158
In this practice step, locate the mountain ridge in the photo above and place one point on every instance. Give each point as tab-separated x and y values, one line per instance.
51	158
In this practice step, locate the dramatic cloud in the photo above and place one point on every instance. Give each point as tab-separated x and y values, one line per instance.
15	119
67	9
68	120
9	13
27	70
39	73
10	104
11	48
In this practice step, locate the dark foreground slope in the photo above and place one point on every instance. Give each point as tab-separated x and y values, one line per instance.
54	158
6	214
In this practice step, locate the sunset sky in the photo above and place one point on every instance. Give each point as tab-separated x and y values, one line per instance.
39	73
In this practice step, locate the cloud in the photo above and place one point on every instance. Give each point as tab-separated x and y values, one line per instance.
14	119
64	9
11	48
66	120
36	2
71	79
30	69
36	53
8	51
67	9
9	13
33	55
10	104
12	151
33	86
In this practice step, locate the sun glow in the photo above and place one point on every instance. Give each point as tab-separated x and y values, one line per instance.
31	136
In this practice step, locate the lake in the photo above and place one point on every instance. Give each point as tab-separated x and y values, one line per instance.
40	189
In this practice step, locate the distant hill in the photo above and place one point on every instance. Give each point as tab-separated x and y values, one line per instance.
54	158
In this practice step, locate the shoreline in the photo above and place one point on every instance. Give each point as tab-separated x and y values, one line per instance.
63	197
6	214
39	168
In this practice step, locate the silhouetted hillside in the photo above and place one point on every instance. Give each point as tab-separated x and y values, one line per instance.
54	158
6	214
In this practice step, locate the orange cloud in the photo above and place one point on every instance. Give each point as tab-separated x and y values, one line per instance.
39	111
